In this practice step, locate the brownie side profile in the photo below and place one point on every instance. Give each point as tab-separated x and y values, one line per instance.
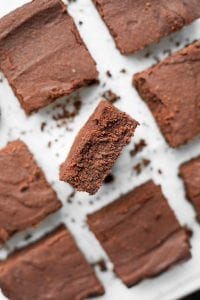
171	89
135	24
97	147
53	268
26	198
190	172
140	234
42	54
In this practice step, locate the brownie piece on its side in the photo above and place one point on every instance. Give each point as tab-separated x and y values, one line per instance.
172	91
25	196
190	172
140	234
135	24
52	268
97	147
42	54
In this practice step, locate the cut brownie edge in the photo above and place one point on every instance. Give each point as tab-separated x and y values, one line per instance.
57	261
55	67
96	148
190	173
26	197
140	234
168	88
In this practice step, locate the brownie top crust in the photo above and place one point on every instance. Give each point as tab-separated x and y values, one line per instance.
96	147
190	172
140	234
135	24
172	91
53	268
26	198
42	54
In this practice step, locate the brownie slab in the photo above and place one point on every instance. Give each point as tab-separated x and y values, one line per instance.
97	147
25	198
42	54
190	172
53	268
135	24
171	89
140	234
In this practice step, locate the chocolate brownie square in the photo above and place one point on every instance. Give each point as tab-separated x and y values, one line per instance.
135	24
190	172
42	54
52	268
25	198
140	234
97	147
171	89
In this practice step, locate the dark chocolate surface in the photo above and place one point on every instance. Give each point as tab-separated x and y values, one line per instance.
190	172
135	24
42	54
52	269
172	91
140	234
25	196
96	148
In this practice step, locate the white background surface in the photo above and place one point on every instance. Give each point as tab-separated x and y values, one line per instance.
177	281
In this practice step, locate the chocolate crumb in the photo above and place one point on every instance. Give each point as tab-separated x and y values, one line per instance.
80	23
123	71
109	179
138	147
49	144
43	125
110	96
108	73
189	231
138	168
101	264
71	196
146	162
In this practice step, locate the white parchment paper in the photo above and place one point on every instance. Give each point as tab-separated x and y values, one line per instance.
179	280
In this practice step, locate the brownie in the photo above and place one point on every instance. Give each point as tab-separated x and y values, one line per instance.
52	268
135	24
97	147
25	198
140	234
171	89
42	54
190	172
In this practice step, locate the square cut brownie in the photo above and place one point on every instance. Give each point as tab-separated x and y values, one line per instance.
25	198
42	54
172	91
53	268
96	148
140	234
190	172
135	24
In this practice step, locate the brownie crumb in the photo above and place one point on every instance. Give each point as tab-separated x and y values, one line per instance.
49	144
141	165
160	171
43	125
110	96
65	113
71	196
138	147
28	236
109	179
108	73
123	71
101	264
189	231
80	23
